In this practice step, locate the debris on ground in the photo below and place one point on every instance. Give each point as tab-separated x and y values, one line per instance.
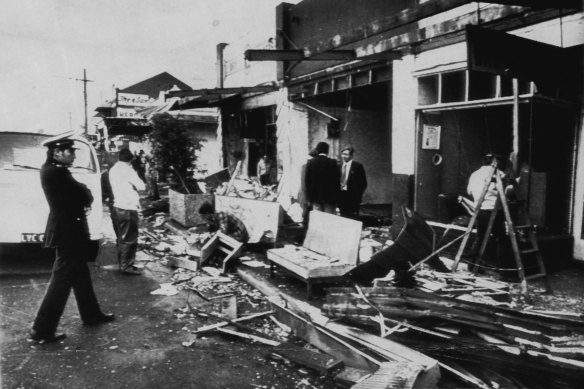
166	289
480	329
537	350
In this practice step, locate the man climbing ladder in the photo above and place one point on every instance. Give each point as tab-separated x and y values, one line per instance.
494	189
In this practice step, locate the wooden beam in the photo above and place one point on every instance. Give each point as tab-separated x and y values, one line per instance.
433	31
314	360
298	55
212	327
393	375
325	340
389	55
563	4
509	19
453	31
254	338
223	91
335	55
406	16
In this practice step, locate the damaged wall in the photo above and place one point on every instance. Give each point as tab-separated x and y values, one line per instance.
292	122
403	148
233	144
209	159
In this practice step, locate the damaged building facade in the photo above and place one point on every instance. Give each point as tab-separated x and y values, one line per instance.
422	90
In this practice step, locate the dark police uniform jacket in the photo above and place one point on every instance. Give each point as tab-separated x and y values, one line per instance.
67	198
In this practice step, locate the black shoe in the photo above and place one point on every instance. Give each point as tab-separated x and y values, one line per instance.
42	339
103	318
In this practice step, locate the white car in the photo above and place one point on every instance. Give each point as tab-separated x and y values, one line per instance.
23	207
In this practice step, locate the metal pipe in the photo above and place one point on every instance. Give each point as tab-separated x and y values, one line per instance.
220	64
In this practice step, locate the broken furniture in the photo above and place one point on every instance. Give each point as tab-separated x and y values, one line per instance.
225	245
261	218
330	249
415	242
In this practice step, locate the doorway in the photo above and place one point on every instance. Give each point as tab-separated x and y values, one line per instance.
545	151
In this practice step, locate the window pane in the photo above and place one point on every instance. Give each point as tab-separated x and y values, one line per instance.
428	90
482	86
453	86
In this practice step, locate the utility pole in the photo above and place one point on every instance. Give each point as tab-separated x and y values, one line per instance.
85	81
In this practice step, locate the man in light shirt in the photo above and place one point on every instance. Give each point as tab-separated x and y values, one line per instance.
125	185
476	184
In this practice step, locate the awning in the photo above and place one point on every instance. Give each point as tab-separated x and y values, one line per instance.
339	78
501	53
215	97
148	112
126	126
195	116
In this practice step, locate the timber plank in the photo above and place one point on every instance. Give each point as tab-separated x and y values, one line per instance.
391	375
324	340
320	362
349	376
548	334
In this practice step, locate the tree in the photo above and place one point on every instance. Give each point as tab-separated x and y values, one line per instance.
174	151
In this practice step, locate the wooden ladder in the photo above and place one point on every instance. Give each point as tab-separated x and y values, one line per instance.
527	232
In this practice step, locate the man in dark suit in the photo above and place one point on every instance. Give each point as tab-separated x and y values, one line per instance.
322	180
353	183
68	232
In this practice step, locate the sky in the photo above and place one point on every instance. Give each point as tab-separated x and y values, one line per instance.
46	45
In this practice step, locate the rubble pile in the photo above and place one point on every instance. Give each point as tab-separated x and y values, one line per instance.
480	330
518	346
373	240
233	309
464	286
247	188
229	307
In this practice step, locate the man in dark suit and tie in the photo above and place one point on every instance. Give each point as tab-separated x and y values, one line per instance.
353	183
321	180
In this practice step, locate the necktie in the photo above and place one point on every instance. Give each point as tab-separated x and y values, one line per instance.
344	176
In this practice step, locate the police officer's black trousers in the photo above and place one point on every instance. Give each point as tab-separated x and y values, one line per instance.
70	271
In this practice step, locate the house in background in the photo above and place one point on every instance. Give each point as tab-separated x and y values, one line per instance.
126	118
248	98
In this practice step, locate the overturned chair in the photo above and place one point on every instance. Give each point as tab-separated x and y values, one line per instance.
415	242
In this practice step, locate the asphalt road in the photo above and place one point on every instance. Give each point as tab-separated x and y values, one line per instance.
142	348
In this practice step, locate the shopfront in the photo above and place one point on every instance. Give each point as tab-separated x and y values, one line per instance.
452	138
534	126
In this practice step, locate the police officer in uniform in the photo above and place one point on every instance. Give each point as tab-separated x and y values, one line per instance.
67	231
